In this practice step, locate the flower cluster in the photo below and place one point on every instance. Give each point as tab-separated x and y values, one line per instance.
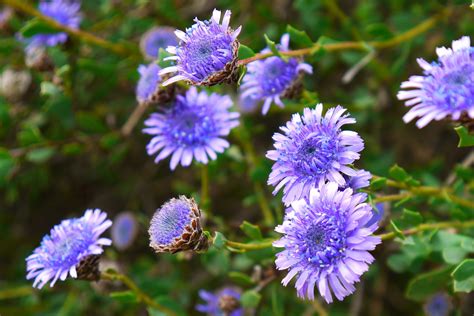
192	127
64	12
445	89
326	240
206	54
327	230
273	78
70	249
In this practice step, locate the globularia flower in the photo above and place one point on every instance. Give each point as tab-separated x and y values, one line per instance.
445	89
273	78
326	242
438	305
192	127
312	150
176	226
223	302
124	230
64	12
206	53
361	179
156	38
72	248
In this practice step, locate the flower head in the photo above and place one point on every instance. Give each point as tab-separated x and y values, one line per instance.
206	53
68	249
361	179
273	78
156	38
192	127
176	226
438	305
124	230
312	150
66	13
445	89
223	302
326	242
148	84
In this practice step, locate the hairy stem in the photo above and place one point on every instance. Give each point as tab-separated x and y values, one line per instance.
141	296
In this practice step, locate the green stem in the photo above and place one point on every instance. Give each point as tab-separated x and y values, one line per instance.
424	227
420	228
141	296
23	6
205	202
360	45
393	197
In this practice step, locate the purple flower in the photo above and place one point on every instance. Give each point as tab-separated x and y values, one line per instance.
445	89
176	226
361	179
124	230
223	302
148	84
192	128
312	150
156	38
273	78
64	12
438	305
247	104
377	214
67	245
326	242
206	53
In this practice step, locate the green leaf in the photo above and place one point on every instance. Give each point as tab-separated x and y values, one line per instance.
300	38
40	155
252	231
241	278
245	52
409	219
453	255
162	54
378	183
124	296
7	163
36	26
397	230
465	138
272	46
398	173
463	276
90	123
427	284
219	240
250	299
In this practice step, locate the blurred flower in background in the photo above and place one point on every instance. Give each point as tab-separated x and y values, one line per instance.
156	38
5	16
438	305
71	248
124	230
446	87
206	53
148	84
64	12
14	83
192	128
271	79
326	241
224	302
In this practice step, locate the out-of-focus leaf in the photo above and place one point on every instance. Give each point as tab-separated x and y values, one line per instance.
409	219
252	231
241	278
245	52
397	230
36	26
465	139
124	296
463	276
219	240
426	284
7	163
90	123
398	173
300	38
272	46
378	183
40	155
250	299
